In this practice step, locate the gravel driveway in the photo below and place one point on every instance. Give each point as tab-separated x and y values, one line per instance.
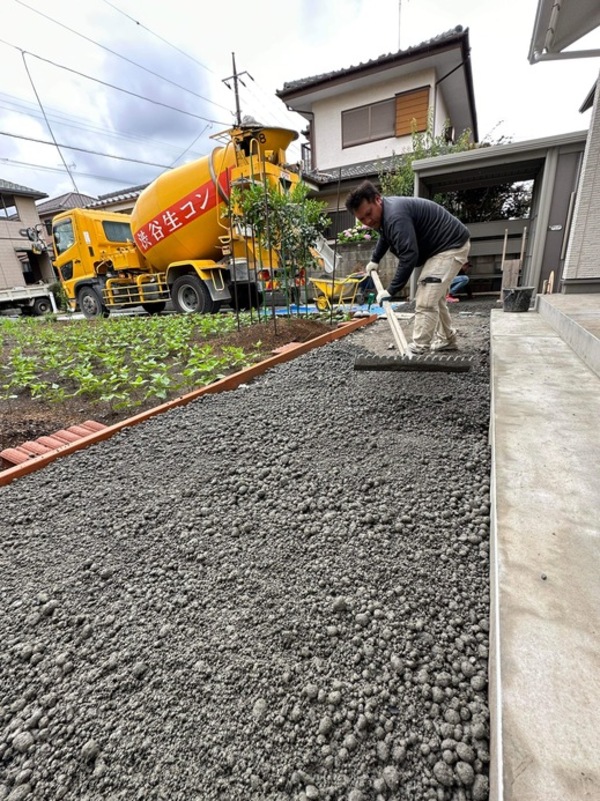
279	592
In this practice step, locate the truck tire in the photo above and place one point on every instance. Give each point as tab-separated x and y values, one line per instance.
90	303
41	306
190	294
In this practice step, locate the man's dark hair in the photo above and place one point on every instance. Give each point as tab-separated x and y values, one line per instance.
364	191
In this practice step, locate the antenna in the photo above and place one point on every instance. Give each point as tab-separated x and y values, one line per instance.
236	78
399	24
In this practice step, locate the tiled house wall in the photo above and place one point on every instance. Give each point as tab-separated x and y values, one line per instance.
583	261
11	274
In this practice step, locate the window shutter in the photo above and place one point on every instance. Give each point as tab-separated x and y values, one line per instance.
412	107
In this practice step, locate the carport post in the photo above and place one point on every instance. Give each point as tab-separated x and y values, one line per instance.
541	224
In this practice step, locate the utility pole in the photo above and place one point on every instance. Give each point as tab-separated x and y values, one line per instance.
236	80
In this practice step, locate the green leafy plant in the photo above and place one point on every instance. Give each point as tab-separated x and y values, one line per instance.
121	361
60	296
287	223
399	179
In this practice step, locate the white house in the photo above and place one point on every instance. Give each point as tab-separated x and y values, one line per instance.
361	116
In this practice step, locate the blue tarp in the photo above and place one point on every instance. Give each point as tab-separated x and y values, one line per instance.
311	309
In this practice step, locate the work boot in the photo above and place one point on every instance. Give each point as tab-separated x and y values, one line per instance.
416	350
445	344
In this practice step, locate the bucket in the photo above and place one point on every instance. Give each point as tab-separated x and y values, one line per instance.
517	299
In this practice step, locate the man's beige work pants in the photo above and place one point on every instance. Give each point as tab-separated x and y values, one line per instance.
432	318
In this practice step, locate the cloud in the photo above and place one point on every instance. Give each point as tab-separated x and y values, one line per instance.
274	42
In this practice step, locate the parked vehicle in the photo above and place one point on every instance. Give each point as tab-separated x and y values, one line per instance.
180	243
33	300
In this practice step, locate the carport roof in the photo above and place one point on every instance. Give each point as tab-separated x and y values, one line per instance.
560	24
486	166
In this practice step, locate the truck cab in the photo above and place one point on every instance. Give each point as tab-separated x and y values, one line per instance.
91	247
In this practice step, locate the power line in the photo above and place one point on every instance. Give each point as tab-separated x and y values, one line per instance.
112	86
28	165
84	150
118	55
72	121
269	98
170	44
258	100
262	103
182	154
37	97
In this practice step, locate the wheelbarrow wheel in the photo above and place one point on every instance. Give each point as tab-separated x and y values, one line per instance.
322	304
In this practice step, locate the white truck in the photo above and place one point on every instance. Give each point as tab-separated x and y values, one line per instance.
33	300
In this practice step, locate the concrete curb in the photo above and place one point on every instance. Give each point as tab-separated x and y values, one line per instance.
223	385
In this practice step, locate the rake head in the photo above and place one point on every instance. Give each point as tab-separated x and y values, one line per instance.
422	364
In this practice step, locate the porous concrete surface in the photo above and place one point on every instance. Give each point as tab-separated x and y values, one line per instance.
279	592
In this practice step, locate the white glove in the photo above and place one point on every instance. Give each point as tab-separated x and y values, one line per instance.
382	296
372	265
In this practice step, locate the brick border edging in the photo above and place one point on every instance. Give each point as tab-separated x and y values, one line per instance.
224	384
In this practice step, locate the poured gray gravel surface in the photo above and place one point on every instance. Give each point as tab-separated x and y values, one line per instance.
279	592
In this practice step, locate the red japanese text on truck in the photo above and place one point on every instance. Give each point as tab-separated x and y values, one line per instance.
178	244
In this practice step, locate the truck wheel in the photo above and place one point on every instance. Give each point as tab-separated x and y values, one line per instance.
41	306
190	294
90	303
154	308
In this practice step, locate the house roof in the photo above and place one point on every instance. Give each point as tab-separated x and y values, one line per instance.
558	25
445	53
70	200
8	188
349	172
129	193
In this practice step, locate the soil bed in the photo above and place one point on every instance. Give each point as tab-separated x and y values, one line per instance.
24	418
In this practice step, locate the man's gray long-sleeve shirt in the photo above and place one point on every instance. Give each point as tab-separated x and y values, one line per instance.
414	230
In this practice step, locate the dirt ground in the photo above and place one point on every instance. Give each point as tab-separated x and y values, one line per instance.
24	419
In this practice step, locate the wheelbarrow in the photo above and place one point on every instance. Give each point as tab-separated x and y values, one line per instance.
334	293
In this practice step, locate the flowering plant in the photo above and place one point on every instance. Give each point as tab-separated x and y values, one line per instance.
359	233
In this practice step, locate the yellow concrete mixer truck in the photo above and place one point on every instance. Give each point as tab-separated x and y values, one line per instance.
181	243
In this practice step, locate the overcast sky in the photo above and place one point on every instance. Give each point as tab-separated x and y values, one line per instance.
161	51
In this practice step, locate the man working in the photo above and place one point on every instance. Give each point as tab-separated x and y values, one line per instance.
458	284
420	233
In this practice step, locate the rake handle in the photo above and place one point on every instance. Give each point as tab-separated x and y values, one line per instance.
393	321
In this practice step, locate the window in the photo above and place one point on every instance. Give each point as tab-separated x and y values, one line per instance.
386	119
368	123
64	236
117	231
8	208
412	108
